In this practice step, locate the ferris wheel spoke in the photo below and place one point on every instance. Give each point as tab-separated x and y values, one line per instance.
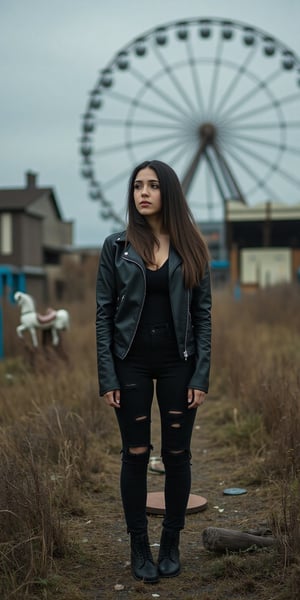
180	128
176	83
179	147
125	173
116	179
162	151
121	122
227	184
266	107
221	183
215	76
110	213
270	144
209	189
235	80
141	142
275	125
252	174
162	95
287	99
273	167
144	105
179	152
260	85
110	149
259	157
227	174
195	77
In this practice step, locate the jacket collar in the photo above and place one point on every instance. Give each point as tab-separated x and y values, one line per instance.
174	258
128	250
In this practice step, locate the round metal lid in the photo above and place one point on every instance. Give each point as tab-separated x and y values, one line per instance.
234	491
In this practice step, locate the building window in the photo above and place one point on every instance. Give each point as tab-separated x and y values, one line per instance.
6	243
51	257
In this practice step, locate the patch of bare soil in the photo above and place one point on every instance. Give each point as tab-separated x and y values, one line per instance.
98	565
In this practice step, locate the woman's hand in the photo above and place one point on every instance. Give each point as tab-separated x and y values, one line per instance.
112	398
195	398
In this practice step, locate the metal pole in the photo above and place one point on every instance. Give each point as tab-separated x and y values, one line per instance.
233	186
190	173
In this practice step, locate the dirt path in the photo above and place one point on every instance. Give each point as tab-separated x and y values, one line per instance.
99	567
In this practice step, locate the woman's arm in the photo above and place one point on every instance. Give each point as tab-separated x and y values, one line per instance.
106	297
201	319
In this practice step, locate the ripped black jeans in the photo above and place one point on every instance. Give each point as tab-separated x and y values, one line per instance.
154	356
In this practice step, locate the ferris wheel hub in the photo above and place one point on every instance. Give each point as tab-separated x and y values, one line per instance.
208	132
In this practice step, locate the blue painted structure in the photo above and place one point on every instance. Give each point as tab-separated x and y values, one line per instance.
11	280
222	264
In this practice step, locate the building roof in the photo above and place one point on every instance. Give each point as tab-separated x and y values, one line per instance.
15	199
275	211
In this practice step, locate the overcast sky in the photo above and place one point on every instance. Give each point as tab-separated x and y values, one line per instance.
51	54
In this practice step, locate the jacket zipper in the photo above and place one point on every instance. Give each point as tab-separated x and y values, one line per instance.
120	300
185	353
143	302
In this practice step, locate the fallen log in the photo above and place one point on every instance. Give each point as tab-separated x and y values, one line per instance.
218	539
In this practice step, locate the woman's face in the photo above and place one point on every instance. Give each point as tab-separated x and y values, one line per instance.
146	193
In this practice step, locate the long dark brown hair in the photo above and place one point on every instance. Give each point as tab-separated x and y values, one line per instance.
178	221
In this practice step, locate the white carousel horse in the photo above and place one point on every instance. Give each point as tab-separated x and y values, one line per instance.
54	319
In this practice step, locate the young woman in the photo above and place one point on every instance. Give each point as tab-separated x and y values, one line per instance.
154	323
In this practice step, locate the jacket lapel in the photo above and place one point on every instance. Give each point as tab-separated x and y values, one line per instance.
174	261
128	252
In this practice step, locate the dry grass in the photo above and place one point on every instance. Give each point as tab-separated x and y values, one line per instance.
55	441
49	413
256	357
257	353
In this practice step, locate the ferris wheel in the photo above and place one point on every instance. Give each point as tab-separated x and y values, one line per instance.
218	100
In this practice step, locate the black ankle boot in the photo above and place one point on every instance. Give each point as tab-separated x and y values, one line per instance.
168	557
142	564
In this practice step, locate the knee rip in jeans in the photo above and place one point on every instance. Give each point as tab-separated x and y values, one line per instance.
139	449
175	417
130	386
175	458
141	418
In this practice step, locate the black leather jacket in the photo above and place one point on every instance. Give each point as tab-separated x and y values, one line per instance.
121	290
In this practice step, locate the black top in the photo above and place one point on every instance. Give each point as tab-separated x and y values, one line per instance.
157	307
